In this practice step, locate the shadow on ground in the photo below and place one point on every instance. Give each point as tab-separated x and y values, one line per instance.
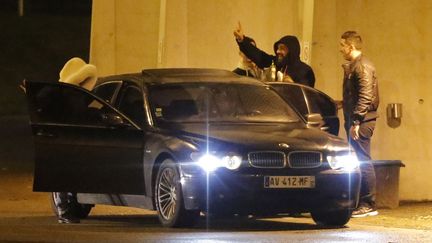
149	222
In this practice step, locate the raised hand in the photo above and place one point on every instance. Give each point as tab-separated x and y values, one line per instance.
22	86
238	32
354	132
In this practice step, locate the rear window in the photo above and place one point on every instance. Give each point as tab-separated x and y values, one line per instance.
107	91
293	94
319	103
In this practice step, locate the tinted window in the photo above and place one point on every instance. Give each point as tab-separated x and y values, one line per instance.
293	94
132	105
219	102
320	103
106	91
63	104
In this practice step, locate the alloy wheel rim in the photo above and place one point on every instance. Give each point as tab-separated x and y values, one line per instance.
167	197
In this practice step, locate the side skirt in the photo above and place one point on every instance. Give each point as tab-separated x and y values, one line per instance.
138	201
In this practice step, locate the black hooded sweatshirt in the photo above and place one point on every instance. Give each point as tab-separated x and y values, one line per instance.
299	71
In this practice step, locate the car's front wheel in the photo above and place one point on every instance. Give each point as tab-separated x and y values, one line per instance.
332	218
169	198
66	203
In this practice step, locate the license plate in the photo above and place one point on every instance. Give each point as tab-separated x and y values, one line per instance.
289	181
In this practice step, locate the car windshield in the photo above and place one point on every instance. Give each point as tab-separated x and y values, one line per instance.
216	102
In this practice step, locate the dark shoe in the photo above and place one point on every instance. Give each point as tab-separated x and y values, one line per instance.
63	220
364	211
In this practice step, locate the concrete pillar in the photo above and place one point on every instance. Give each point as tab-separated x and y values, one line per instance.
20	8
103	36
124	35
176	34
162	31
306	18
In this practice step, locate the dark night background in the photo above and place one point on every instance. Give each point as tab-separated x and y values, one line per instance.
38	44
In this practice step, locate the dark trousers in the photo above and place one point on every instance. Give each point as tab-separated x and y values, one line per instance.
62	201
362	148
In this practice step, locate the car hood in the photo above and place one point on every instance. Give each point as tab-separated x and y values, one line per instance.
259	136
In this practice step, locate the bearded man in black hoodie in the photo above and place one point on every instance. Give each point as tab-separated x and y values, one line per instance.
287	59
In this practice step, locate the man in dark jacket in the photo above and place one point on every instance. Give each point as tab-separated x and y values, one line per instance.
289	67
360	104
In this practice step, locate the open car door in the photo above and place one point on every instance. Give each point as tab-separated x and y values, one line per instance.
307	100
82	144
321	103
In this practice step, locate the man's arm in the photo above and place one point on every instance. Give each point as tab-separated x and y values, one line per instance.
260	58
365	74
22	86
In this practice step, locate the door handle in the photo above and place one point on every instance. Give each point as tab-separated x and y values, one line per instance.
44	134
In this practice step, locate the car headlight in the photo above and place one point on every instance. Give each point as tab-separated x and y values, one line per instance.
232	161
209	162
347	162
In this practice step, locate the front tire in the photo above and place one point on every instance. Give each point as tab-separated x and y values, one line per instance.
66	203
332	218
169	198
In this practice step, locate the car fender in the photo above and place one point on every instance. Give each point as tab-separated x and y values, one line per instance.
163	148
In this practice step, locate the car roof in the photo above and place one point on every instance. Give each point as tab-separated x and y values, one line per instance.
182	75
276	83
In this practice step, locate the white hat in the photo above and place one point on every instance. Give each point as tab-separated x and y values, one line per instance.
77	72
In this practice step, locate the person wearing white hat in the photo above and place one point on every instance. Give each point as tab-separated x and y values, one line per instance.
77	72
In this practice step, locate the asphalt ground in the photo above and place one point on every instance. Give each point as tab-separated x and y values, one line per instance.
17	197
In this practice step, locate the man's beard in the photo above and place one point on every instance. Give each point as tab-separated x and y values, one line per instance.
280	62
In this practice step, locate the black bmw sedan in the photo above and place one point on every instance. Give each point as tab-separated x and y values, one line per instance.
185	142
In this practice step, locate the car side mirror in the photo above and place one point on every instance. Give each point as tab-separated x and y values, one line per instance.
314	120
114	120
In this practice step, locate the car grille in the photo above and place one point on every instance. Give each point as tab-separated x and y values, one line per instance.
267	159
304	159
276	159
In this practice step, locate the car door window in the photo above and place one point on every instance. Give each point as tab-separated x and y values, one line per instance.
320	103
293	94
107	91
65	104
131	104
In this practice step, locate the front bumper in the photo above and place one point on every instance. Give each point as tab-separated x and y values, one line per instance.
240	192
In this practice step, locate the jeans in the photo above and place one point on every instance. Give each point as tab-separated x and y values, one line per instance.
362	148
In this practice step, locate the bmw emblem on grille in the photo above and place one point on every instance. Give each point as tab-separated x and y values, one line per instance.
283	145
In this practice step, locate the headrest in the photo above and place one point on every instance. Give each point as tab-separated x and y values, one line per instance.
179	109
77	72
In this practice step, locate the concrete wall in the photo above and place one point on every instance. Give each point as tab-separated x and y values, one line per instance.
397	39
124	35
129	35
